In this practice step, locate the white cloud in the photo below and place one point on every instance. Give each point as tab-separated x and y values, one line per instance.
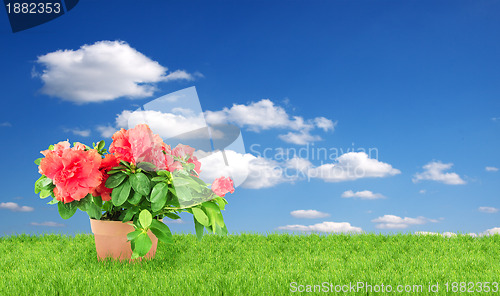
352	166
14	207
491	231
365	194
78	132
102	71
246	169
47	223
259	172
335	227
299	164
325	123
422	191
396	222
495	118
491	169
489	210
444	234
435	171
178	75
106	130
167	125
5	124
299	138
308	214
264	115
256	116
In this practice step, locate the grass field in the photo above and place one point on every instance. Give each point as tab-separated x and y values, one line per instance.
249	264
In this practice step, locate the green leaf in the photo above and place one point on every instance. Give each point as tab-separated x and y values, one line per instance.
45	193
161	231
200	215
159	196
94	211
189	166
100	145
145	218
133	235
199	229
38	160
183	193
147	166
172	216
221	202
135	199
98	201
37	184
125	163
129	214
164	173
53	202
114	172
142	245
159	179
115	180
214	213
140	183
45	182
66	210
120	194
224	230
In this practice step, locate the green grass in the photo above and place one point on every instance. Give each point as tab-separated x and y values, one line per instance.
247	264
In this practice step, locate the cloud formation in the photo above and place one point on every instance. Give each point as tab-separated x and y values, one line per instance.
491	169
47	223
308	214
330	227
106	131
103	71
365	194
489	210
396	222
246	169
14	207
78	132
434	171
265	115
492	231
352	166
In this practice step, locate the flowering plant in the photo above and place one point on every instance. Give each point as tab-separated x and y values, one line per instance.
140	179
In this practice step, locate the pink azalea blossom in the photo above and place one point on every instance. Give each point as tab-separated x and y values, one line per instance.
222	185
74	172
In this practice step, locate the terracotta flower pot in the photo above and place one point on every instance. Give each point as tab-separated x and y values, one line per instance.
111	240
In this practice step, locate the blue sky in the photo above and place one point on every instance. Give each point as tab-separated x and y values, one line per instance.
415	80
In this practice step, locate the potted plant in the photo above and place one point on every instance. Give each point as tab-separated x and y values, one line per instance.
129	189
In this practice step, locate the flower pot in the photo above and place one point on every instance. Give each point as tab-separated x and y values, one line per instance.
111	240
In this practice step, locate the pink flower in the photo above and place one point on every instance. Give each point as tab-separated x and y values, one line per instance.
74	172
58	148
79	146
120	146
145	146
139	144
222	185
183	150
107	164
170	164
197	164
